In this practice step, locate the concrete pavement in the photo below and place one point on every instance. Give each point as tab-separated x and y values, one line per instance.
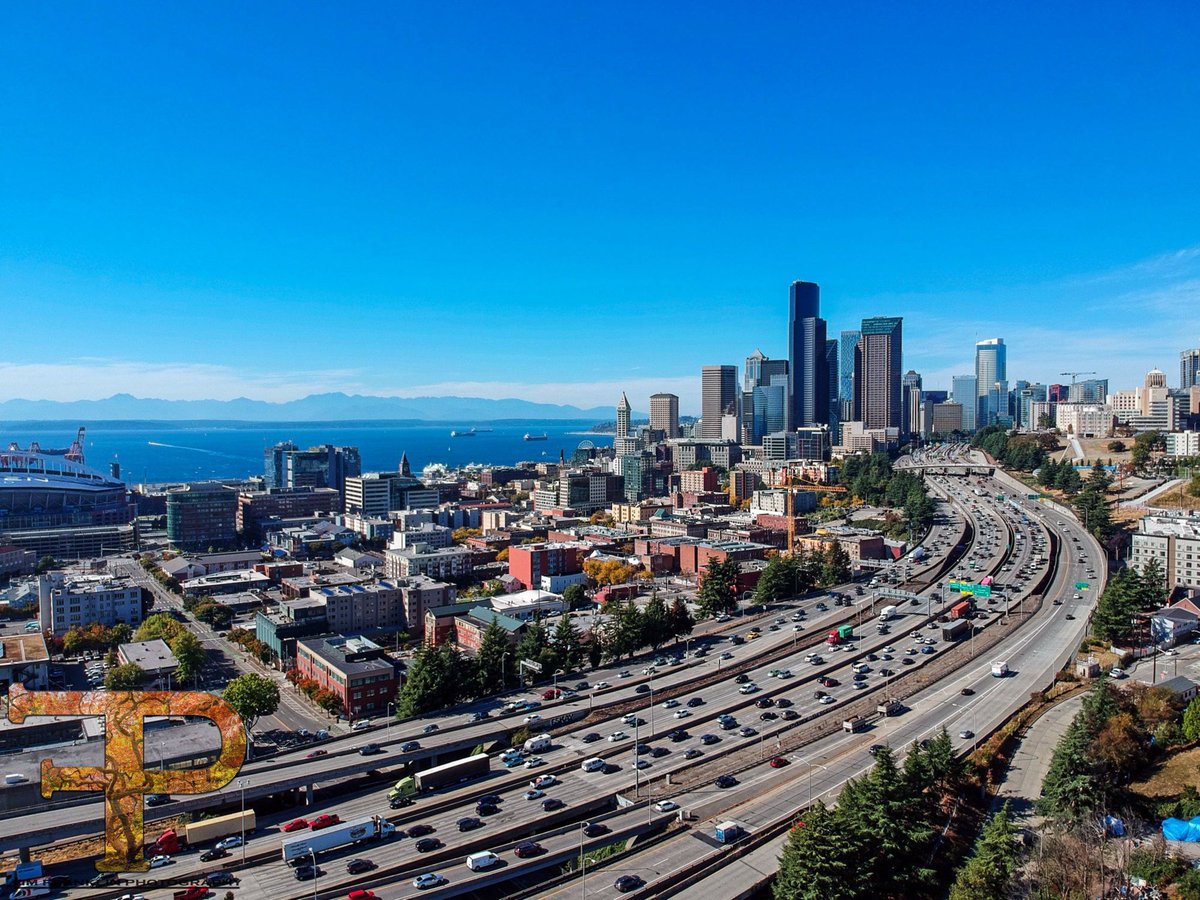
1022	783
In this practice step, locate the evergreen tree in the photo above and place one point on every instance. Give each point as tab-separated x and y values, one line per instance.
567	644
437	677
1151	592
989	873
1071	791
656	627
495	663
681	619
775	582
575	596
718	588
900	839
814	864
533	641
1117	605
837	565
1191	720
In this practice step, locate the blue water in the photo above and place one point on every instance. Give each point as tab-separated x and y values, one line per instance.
156	452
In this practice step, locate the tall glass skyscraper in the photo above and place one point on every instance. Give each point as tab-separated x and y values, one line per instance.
834	378
877	402
991	366
849	343
718	398
807	371
1189	369
965	393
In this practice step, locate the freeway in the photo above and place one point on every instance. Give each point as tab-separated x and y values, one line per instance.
577	790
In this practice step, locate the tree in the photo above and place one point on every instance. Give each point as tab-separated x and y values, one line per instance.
575	596
127	677
568	646
190	655
775	582
1191	720
495	663
1072	792
44	565
252	697
718	588
533	641
815	863
681	619
656	629
462	535
837	560
437	677
159	626
989	873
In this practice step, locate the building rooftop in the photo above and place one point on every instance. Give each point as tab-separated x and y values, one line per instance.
17	649
152	656
483	614
1178	684
339	651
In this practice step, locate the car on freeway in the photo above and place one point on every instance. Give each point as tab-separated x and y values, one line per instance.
221	878
695	701
725	781
768	716
362	894
527	849
430	728
590	737
747	731
594	829
399	801
617	736
670	704
532	718
967	692
195	892
543	781
324	821
316	753
692	753
534	761
215	853
420	829
674	737
361	725
764	702
161	859
486	809
966	734
827	699
778	762
627	883
426	845
709	738
642	689
428	880
230	842
602	684
306	872
410	746
468	823
358	865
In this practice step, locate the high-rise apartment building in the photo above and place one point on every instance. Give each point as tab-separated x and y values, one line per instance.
1090	390
1189	369
718	398
963	391
808	372
877	367
991	368
287	466
664	414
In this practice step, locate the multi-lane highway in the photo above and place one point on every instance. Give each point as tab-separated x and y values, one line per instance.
1007	540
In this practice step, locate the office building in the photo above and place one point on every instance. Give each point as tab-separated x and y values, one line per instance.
877	368
529	563
808	403
1189	369
1090	390
831	379
285	465
1183	443
1026	397
375	494
910	394
848	345
275	464
357	670
1091	420
718	398
256	507
623	411
664	414
946	417
441	563
963	391
764	397
202	515
152	657
991	368
67	600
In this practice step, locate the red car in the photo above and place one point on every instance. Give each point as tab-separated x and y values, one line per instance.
361	894
195	892
551	694
778	762
527	849
316	753
295	825
324	821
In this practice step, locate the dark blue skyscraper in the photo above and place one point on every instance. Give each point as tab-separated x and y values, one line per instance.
808	370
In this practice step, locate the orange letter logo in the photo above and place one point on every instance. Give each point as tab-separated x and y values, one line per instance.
124	778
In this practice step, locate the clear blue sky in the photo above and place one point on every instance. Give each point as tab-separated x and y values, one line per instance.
559	200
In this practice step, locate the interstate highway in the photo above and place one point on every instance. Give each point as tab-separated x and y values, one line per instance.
577	788
277	773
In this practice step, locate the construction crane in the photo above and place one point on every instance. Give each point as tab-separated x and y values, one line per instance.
1075	376
801	484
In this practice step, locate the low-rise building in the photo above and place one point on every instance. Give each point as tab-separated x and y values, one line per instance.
1092	420
1183	443
24	660
435	562
470	628
294	619
435	536
226	583
525	605
67	600
152	657
1170	625
15	560
357	670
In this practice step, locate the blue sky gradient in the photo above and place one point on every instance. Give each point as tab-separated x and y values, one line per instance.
557	203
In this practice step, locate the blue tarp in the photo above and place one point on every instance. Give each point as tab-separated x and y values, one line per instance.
1114	826
1179	830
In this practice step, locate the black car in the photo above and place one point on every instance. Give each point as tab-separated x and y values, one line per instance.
594	829
742	678
709	739
552	803
493	799
725	781
658	752
692	753
591	737
642	689
486	809
306	873
104	879
677	736
369	749
875	749
967	692
221	878
764	703
424	845
214	853
887	672
695	701
769	716
907	661
420	830
468	823
409	746
627	883
737	639
641	748
157	799
358	866
400	802
783	702
430	728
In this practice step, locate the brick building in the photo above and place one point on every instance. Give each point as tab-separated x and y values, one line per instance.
357	670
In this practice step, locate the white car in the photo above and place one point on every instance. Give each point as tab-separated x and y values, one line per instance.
748	688
670	704
534	761
230	842
724	617
531	718
543	781
666	806
361	725
428	880
827	699
600	684
784	673
161	860
617	736
534	794
682	713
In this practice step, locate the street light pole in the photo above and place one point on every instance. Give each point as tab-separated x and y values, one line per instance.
582	865
391	706
313	854
241	783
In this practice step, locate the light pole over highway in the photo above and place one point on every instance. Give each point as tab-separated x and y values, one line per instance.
241	783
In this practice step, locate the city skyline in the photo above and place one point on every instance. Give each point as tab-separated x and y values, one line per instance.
496	174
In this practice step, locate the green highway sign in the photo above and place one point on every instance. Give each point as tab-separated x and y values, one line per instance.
961	586
981	590
1081	585
1031	496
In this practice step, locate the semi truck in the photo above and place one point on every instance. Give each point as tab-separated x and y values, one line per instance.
194	833
960	610
839	635
953	631
887	613
854	723
453	772
368	829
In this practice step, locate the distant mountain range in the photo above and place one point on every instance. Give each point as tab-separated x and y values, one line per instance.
334	407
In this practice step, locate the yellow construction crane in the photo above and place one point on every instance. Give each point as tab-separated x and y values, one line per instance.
801	484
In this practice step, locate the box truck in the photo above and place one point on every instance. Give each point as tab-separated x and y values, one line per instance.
372	828
727	832
999	669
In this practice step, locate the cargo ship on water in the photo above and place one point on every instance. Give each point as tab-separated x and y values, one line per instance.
537	437
458	434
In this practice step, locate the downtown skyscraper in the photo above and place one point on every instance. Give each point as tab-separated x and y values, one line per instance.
808	371
877	372
718	399
991	381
